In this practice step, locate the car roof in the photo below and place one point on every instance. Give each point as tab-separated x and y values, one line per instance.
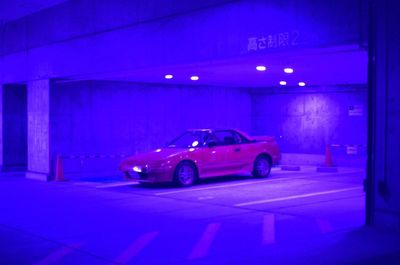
221	129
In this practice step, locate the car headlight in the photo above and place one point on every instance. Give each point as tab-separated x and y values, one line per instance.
140	169
137	169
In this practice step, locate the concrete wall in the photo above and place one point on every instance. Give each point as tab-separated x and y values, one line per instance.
383	202
304	123
105	117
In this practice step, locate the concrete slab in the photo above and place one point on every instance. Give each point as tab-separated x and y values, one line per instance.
75	224
327	169
290	168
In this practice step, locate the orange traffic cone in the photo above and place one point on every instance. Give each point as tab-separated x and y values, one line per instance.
328	156
59	170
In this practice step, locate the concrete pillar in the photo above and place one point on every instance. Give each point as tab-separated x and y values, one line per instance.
39	166
1	126
383	200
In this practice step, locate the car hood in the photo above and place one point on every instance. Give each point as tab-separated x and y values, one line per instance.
156	155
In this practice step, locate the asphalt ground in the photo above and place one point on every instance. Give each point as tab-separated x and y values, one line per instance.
292	217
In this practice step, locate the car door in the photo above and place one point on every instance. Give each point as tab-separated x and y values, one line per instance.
212	157
243	155
230	148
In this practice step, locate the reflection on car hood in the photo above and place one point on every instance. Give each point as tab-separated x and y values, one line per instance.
156	155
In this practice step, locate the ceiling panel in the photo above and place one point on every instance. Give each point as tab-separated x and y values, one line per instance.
15	9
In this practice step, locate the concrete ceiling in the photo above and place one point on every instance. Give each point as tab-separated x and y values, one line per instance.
315	67
15	9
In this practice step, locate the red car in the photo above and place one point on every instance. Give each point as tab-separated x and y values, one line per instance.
204	153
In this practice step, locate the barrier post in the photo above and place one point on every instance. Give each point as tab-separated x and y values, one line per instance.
328	167
328	156
59	169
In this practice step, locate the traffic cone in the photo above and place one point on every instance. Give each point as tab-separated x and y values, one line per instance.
59	170
328	156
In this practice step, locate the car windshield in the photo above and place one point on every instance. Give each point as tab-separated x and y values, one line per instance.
188	140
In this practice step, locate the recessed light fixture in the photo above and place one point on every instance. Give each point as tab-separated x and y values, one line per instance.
194	78
302	84
261	68
169	76
282	83
288	70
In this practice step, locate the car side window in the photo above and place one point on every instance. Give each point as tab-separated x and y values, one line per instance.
239	138
225	138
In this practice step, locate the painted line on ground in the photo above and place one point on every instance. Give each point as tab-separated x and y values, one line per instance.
117	184
251	182
211	187
203	245
57	255
268	233
136	247
297	196
205	198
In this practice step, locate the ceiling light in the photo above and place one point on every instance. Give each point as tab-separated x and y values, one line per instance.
194	78
288	70
169	76
282	83
302	84
261	68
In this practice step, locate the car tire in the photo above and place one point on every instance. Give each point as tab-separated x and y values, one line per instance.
185	174
262	167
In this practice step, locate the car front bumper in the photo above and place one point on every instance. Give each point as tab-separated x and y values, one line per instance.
152	175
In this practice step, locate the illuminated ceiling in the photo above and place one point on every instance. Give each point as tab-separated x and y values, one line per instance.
315	67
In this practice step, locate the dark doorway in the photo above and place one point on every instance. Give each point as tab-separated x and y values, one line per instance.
15	127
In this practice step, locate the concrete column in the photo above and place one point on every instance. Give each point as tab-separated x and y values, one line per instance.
39	130
1	126
383	200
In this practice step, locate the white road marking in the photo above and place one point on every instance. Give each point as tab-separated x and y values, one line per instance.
250	182
117	184
212	187
202	247
56	256
135	248
205	198
297	196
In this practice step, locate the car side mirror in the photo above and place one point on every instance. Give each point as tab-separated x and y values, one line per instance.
212	144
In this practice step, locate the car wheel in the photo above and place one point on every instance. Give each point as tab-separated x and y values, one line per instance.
262	167
185	174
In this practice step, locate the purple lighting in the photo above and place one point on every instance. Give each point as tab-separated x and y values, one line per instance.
302	84
288	70
194	78
261	68
283	83
169	76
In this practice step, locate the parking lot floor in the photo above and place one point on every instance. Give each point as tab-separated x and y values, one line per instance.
292	217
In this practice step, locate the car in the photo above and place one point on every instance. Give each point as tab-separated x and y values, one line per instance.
204	153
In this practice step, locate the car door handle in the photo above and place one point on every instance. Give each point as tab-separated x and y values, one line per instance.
237	149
